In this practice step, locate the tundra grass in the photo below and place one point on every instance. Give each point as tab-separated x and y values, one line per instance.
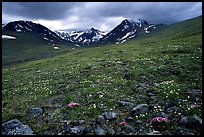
97	78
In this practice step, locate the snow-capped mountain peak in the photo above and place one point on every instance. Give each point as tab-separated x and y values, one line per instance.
79	37
22	26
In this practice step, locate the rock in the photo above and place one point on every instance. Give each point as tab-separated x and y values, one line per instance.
110	131
143	85
139	109
100	119
128	105
50	116
193	93
129	129
193	121
76	130
154	133
171	109
169	104
99	131
138	122
118	130
196	121
109	115
129	118
150	94
36	112
15	127
184	121
161	114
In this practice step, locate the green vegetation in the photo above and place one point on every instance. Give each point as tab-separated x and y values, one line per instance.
97	78
28	47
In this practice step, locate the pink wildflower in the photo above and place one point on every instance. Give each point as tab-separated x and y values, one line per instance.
158	119
71	105
159	123
122	123
193	105
189	93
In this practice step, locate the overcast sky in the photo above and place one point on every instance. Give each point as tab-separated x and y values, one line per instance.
100	15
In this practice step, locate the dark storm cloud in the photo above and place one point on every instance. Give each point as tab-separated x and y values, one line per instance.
157	12
102	15
38	10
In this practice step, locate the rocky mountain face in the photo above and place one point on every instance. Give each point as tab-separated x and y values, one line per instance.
88	37
30	27
126	30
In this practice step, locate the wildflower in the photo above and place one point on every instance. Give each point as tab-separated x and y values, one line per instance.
193	105
122	123
189	93
71	105
159	123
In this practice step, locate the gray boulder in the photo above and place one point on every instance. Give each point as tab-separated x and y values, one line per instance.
109	115
15	127
36	112
140	109
99	131
77	130
126	104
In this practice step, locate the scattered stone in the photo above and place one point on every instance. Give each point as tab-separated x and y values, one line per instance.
100	119
150	94
110	131
138	122
141	108
171	109
129	118
128	105
50	116
15	127
76	130
193	121
99	131
154	133
109	115
196	121
161	114
193	93
118	130
129	129
143	85
184	121
36	112
169	104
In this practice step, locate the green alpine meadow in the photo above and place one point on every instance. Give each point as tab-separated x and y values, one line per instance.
148	85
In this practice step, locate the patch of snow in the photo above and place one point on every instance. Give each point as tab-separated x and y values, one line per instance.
56	47
45	38
29	25
18	30
145	29
117	43
8	37
131	36
97	37
88	31
123	41
128	34
28	28
20	26
126	26
77	45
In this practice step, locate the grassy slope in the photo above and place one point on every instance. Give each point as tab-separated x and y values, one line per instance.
172	59
15	51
